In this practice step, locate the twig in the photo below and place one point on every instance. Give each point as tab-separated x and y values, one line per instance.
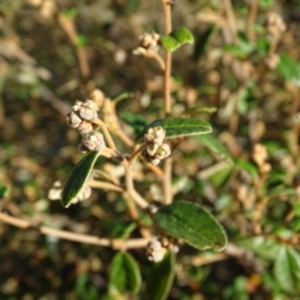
106	133
168	58
68	26
105	185
251	20
137	198
231	19
208	172
157	57
167	183
117	244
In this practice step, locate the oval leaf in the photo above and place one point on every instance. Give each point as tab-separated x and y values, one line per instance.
124	274
161	278
289	69
287	270
78	177
193	224
179	127
176	38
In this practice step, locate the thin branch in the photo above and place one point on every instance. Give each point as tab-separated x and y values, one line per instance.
168	59
157	57
106	133
118	244
68	26
251	20
231	19
167	183
105	185
137	198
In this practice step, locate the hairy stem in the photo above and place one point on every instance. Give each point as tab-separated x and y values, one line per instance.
168	58
117	244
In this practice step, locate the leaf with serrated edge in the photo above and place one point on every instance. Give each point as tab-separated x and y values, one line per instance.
179	127
78	177
191	223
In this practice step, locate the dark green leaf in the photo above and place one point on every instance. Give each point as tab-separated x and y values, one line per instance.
289	69
201	42
191	223
287	270
179	127
176	38
161	278
124	274
212	143
78	177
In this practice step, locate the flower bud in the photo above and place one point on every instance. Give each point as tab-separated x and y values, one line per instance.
163	151
73	119
149	41
155	251
92	141
155	135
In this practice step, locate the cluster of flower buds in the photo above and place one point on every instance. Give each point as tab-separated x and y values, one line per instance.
56	191
156	150
147	42
82	116
275	24
157	249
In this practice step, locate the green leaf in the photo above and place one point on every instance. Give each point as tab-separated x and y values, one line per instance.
121	96
81	40
212	143
287	270
4	191
176	38
70	13
242	50
262	246
201	43
124	274
193	224
289	69
161	278
78	177
179	127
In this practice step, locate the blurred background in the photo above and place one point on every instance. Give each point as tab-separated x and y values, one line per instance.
245	82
